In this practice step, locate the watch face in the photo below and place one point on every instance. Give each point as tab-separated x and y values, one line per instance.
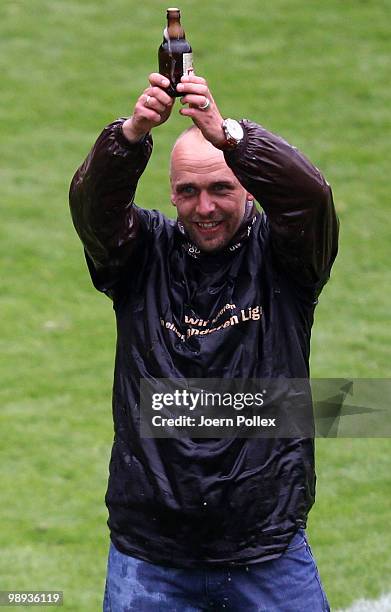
234	129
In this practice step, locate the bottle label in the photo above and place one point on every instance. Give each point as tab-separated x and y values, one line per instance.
188	63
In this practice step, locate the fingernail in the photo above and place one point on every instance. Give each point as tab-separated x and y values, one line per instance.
165	82
179	87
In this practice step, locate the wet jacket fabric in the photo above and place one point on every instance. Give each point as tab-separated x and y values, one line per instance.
192	502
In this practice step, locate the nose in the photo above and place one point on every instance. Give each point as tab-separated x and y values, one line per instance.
205	204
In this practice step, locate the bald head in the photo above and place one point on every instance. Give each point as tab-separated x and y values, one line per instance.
193	130
209	199
192	145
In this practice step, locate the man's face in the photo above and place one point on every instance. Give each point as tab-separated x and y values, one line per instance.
209	199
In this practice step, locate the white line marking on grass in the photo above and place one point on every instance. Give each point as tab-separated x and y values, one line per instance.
371	605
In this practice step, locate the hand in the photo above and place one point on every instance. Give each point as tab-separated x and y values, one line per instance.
208	120
153	108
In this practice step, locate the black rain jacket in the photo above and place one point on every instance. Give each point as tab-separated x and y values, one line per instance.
192	502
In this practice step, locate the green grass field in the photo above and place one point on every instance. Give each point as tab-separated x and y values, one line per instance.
316	73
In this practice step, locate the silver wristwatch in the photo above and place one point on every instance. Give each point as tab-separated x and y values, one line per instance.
233	132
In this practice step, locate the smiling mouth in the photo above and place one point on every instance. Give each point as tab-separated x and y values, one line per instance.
207	225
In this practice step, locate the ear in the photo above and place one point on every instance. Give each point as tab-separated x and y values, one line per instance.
249	197
172	195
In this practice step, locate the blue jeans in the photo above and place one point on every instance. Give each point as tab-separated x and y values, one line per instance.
288	584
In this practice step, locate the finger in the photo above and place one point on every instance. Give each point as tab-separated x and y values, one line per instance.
196	88
151	115
195	100
146	112
158	80
191	77
190	112
162	96
152	102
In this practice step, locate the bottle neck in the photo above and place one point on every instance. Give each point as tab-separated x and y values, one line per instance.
174	28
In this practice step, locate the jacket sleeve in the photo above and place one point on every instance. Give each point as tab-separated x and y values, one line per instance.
297	200
101	200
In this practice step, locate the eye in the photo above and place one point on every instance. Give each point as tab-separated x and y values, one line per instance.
187	190
220	187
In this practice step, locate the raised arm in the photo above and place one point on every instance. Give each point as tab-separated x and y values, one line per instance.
103	188
296	198
101	195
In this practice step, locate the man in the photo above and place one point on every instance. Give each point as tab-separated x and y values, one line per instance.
201	524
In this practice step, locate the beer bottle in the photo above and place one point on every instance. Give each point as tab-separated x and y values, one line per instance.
175	53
